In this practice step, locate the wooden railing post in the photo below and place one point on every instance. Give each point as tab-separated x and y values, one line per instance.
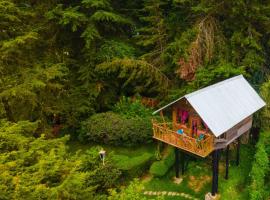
163	132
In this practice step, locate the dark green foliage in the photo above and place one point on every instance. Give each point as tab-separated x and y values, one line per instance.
210	74
160	168
133	166
260	168
115	49
139	75
153	36
115	129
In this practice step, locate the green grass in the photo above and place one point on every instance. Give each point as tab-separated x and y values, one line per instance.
126	162
195	168
235	188
128	151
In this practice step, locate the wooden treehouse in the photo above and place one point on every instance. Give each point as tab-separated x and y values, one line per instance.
208	120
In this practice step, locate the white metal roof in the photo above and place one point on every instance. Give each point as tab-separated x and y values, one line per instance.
225	104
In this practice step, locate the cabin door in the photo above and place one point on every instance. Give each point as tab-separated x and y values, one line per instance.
195	123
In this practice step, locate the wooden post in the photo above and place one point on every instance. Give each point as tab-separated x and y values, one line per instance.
227	162
176	162
183	162
238	151
162	116
215	156
174	117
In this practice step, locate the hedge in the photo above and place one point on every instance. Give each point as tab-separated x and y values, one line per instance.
133	166
260	168
160	168
115	129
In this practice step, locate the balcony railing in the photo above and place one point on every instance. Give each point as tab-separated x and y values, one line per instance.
165	133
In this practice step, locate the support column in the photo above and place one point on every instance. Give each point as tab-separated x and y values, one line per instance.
227	162
215	156
238	151
183	162
176	162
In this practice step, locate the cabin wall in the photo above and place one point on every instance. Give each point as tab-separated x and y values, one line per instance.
183	104
232	134
193	115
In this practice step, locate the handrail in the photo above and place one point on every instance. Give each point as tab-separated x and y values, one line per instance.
185	142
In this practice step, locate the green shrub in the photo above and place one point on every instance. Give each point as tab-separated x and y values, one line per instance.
38	168
160	168
259	170
170	158
131	109
133	166
114	129
134	191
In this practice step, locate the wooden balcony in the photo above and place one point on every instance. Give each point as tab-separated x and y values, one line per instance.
165	133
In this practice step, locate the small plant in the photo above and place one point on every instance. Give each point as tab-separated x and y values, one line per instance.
157	152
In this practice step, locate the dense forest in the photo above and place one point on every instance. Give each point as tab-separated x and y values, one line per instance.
74	74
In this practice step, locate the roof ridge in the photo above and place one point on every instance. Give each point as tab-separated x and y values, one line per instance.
214	85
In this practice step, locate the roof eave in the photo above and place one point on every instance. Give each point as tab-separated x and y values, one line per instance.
169	104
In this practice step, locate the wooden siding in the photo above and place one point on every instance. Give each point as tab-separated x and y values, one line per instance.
233	133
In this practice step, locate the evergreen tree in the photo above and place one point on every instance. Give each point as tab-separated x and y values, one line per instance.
152	36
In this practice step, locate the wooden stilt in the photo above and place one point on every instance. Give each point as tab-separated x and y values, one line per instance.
183	162
238	151
215	156
227	162
217	166
176	162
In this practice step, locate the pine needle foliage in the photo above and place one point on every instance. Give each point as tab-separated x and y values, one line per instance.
153	36
132	71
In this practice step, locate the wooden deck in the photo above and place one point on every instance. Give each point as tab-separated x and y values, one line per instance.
165	133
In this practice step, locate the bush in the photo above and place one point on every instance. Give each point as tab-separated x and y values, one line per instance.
132	109
133	192
160	168
37	168
133	166
259	170
114	129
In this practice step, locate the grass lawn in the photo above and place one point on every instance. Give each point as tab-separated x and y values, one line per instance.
128	151
198	176
197	179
